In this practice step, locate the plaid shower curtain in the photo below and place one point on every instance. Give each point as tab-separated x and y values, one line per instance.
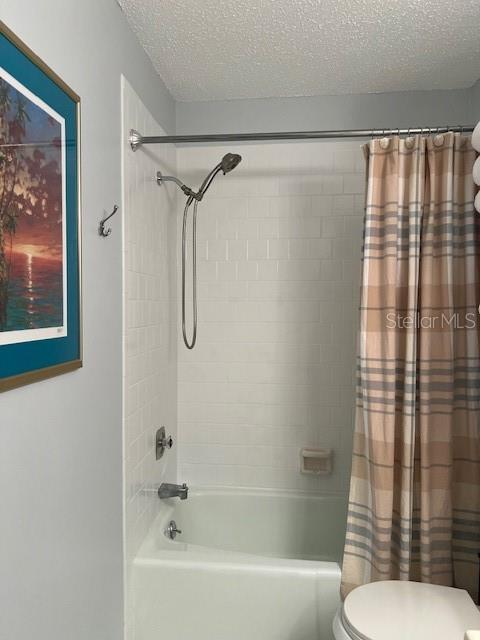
414	507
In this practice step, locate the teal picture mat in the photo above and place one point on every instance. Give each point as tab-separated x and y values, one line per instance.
16	359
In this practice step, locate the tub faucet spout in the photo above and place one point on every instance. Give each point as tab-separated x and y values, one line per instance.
167	490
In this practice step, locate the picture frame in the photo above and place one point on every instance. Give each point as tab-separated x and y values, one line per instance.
40	219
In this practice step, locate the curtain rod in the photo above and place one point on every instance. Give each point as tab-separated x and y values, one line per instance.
136	140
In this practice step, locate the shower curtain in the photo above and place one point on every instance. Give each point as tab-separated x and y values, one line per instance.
414	506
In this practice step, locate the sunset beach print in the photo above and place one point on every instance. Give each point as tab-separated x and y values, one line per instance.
32	225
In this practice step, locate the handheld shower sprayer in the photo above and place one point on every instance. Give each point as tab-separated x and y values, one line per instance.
226	164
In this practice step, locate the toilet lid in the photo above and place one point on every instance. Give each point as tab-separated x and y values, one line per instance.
398	610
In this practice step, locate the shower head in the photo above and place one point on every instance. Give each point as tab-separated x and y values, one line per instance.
226	164
229	162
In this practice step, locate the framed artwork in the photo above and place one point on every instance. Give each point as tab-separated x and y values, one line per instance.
40	288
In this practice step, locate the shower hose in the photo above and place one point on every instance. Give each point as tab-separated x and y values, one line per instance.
189	344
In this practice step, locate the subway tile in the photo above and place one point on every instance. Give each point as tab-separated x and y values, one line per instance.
212	290
300	228
359	162
207	270
299	269
344	248
278	248
333	226
344	161
248	230
331	270
237	208
226	229
237	250
215	310
275	361
247	270
227	271
280	207
313	184
319	248
322	205
268	228
257	249
344	204
349	270
321	158
237	290
206	227
267	270
150	373
354	224
298	248
258	207
290	185
354	183
217	250
332	184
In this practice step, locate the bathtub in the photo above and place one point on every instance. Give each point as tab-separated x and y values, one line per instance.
248	565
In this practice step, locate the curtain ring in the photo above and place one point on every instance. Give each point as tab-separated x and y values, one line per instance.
385	141
409	140
439	138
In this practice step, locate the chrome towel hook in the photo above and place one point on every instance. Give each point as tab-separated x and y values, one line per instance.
101	227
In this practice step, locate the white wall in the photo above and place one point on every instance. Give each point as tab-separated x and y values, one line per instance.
475	103
279	262
150	326
61	440
377	110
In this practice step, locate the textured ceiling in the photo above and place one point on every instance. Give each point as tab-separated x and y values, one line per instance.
223	49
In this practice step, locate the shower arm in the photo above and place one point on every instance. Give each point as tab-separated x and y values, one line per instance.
186	190
197	195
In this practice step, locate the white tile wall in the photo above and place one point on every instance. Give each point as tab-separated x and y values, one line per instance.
150	341
279	263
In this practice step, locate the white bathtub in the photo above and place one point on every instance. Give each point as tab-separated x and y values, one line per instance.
250	564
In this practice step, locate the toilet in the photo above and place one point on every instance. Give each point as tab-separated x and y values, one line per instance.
401	610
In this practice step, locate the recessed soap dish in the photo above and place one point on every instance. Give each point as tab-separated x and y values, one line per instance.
316	461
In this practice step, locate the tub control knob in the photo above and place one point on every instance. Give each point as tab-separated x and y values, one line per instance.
171	531
162	442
